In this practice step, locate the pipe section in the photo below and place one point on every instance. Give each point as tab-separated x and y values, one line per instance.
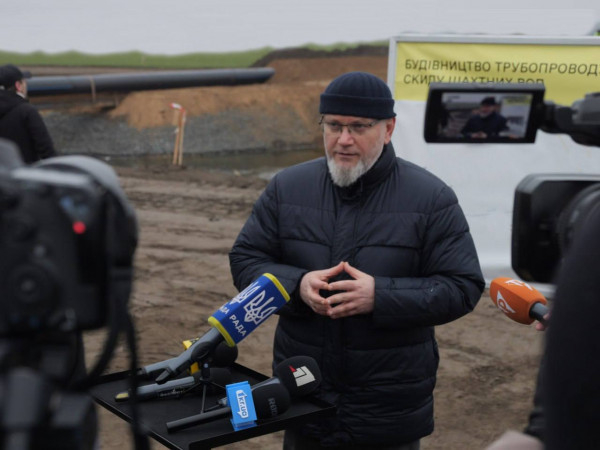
141	81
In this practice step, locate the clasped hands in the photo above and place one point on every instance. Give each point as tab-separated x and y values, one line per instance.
355	296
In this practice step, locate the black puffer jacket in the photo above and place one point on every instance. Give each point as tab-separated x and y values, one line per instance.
398	223
21	123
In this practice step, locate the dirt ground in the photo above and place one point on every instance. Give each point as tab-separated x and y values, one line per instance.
188	220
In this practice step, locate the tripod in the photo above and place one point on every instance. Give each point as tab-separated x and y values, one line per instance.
38	408
211	378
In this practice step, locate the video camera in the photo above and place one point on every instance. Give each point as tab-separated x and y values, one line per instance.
549	209
67	240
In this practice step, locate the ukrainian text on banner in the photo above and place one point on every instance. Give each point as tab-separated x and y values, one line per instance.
568	71
484	176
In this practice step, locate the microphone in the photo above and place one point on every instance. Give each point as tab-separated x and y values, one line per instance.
222	356
299	375
176	388
231	323
179	363
518	300
269	401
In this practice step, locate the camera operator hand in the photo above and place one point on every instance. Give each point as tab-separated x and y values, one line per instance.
543	326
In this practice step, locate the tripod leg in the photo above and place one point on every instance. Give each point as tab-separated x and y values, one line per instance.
25	407
204	388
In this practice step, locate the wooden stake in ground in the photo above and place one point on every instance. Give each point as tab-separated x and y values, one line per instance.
178	149
181	129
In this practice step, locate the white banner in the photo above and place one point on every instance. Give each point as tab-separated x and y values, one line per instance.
484	176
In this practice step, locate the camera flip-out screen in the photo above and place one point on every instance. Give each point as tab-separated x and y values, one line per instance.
483	113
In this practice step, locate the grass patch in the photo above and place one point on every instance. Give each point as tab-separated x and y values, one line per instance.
137	59
341	46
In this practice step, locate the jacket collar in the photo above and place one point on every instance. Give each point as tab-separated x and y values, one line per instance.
380	169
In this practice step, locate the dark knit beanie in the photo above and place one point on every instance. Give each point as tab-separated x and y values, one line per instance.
358	94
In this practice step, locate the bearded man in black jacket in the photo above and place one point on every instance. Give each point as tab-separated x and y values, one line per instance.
20	122
374	251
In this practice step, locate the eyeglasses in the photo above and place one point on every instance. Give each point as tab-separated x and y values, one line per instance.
355	129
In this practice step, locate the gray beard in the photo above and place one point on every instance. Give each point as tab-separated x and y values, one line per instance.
343	177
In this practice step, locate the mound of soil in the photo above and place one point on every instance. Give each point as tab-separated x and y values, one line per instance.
295	86
281	114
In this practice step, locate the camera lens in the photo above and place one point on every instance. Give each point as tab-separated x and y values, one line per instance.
32	292
576	213
20	228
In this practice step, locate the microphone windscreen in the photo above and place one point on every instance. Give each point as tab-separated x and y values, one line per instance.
242	314
224	355
299	374
515	298
270	400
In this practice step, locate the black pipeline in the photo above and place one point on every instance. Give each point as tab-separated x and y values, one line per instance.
142	81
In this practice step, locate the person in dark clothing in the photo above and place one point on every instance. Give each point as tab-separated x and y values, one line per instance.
486	123
571	394
20	122
566	409
374	251
533	435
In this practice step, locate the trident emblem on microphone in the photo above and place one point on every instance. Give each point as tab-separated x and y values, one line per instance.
257	310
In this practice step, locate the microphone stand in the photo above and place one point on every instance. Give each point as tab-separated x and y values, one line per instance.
206	380
200	356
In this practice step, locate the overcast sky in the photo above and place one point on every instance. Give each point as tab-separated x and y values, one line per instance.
185	26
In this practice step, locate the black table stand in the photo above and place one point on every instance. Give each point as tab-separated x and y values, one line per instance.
155	413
